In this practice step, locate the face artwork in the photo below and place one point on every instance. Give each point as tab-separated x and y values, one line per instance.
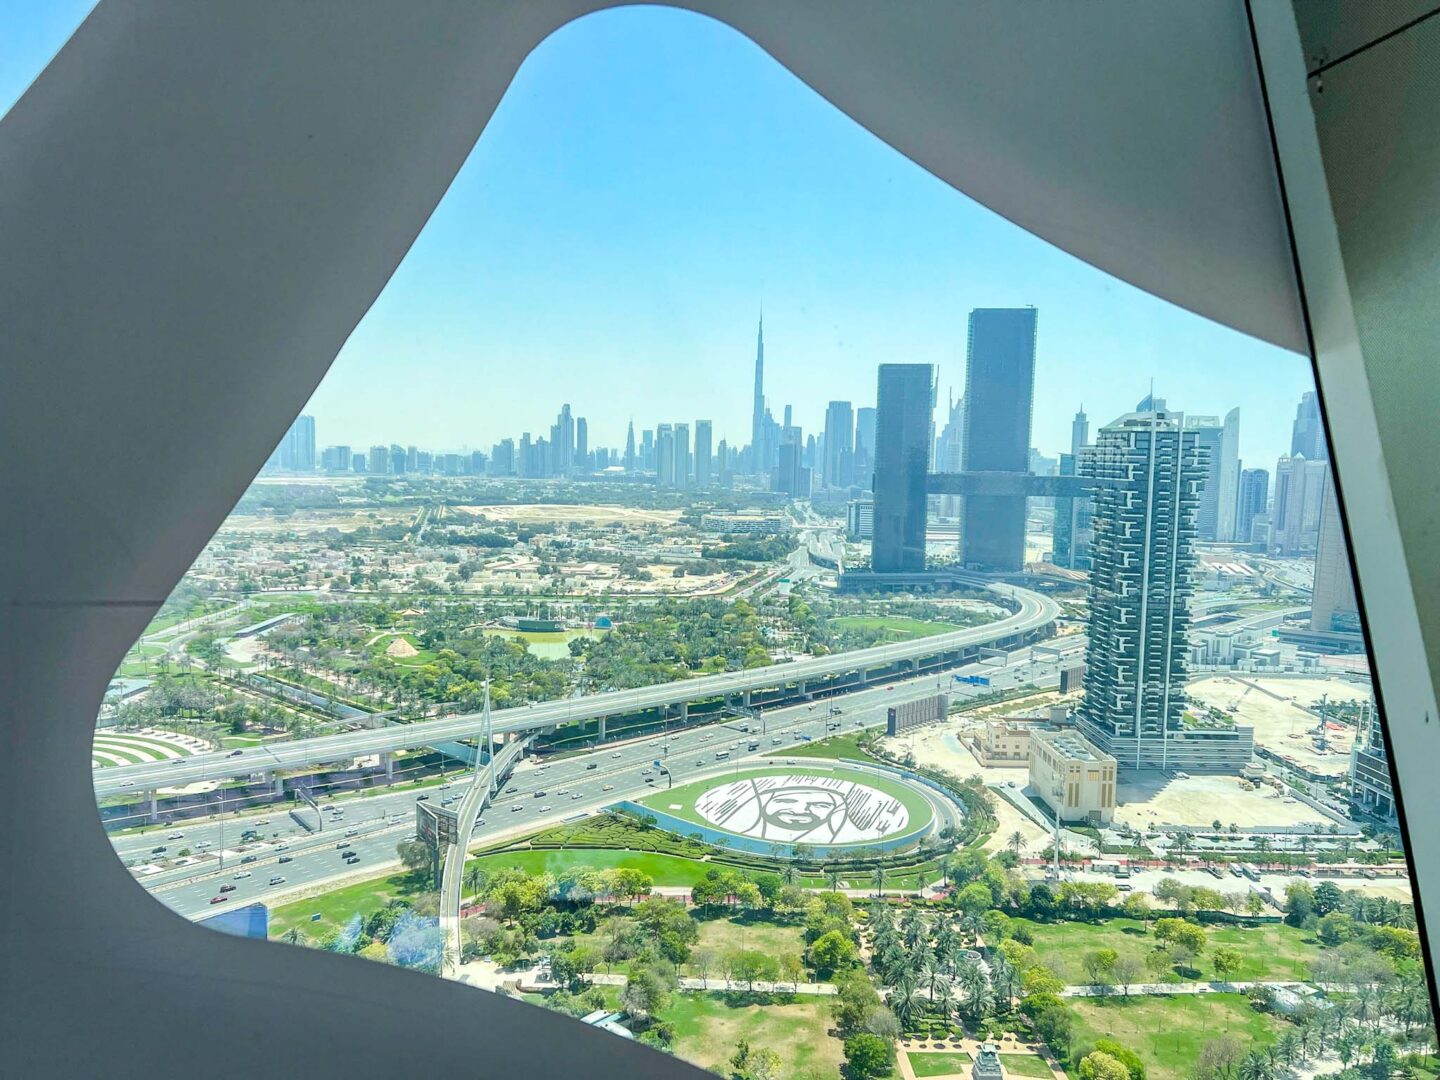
803	809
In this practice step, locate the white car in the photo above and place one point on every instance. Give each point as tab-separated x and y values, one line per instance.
176	836
608	787
543	809
517	808
242	874
575	796
615	754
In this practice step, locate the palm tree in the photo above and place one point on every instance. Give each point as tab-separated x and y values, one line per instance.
879	878
943	997
787	874
1015	841
974	987
1290	1047
1254	1067
475	879
906	1004
1005	979
832	874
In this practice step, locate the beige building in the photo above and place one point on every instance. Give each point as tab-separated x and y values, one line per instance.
1076	780
1004	743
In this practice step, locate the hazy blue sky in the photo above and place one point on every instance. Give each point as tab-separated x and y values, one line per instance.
652	178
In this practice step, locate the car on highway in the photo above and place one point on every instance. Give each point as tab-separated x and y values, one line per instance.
127	783
539	794
615	754
644	772
159	850
227	888
176	836
203	844
277	880
607	787
576	795
235	753
775	741
700	763
592	765
351	858
510	790
286	858
342	845
563	791
517	808
242	874
218	899
543	809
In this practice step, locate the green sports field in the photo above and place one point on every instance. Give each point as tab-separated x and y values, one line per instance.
680	801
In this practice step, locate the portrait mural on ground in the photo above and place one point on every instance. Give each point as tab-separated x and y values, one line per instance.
803	809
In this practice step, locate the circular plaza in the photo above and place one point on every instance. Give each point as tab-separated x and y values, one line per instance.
799	809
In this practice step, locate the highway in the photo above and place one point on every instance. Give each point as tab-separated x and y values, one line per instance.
571	787
1035	612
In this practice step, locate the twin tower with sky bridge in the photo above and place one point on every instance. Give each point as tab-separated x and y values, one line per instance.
994	475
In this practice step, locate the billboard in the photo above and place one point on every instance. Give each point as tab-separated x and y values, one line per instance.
912	714
252	921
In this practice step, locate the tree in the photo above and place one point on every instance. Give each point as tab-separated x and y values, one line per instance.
868	1055
1127	1057
1158	963
1227	960
1016	841
1256	1066
1098	1065
1219	1059
1179	932
415	856
1126	972
1299	903
754	1063
645	992
831	952
1098	964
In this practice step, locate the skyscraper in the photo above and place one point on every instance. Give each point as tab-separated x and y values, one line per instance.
1333	606
665	455
1079	432
1072	532
839	468
297	449
630	447
1227	508
905	400
1147	470
950	453
1295	517
682	456
757	421
1307	435
581	460
703	456
864	445
999	390
1254	497
1210	434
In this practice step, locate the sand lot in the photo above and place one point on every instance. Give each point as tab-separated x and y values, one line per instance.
582	514
1148	799
1276	710
940	747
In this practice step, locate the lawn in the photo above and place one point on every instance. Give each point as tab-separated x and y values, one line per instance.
1268	951
1168	1032
838	746
1025	1065
707	1029
942	1063
729	935
337	907
895	627
663	869
685	795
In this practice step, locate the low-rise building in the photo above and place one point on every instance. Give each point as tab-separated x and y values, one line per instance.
751	524
1072	776
1004	743
987	1063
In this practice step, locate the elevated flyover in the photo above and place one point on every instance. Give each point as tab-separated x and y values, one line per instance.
1031	618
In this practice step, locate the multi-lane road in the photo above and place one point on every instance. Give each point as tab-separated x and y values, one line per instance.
1033	613
570	786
